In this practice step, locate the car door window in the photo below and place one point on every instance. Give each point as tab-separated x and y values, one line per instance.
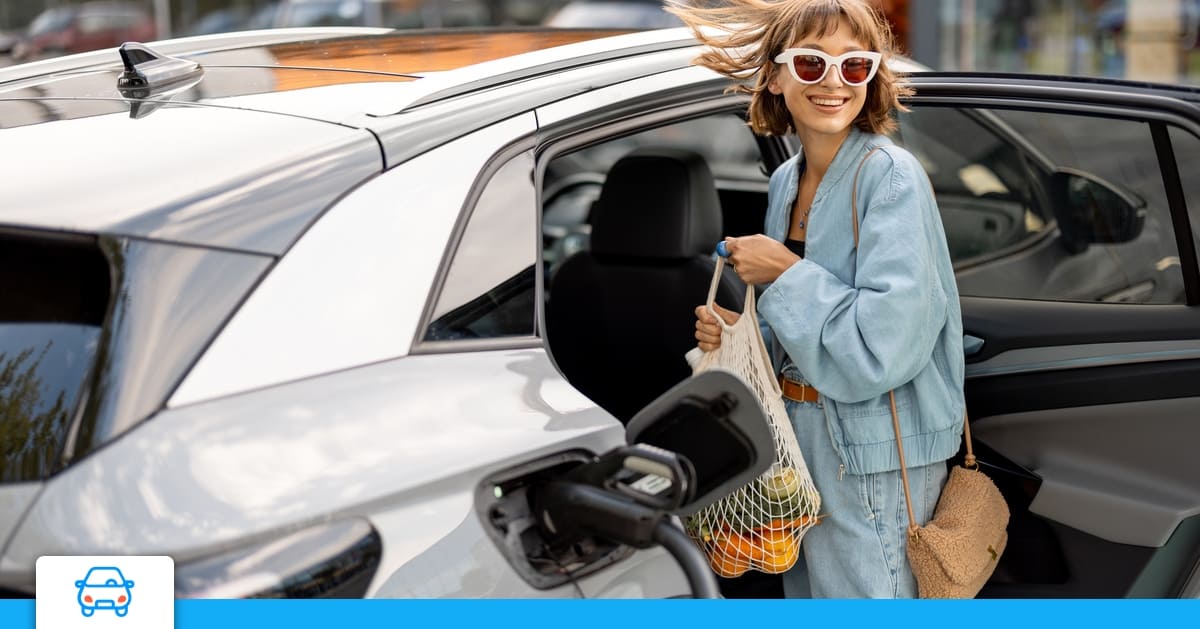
1049	206
489	290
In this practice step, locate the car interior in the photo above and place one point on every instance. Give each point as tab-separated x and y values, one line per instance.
647	265
629	231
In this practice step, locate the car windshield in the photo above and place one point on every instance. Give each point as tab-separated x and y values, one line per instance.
104	576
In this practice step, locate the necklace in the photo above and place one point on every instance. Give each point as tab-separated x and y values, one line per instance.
803	222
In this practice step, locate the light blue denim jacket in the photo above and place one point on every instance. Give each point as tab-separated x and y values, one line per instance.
857	326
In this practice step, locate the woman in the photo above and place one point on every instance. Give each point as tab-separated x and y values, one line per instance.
852	322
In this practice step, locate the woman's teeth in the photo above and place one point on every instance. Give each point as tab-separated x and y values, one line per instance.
828	102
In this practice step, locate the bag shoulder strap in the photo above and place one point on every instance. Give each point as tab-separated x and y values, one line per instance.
969	462
854	193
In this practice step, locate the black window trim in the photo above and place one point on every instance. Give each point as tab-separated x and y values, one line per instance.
1177	201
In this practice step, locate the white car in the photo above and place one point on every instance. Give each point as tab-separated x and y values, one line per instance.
297	302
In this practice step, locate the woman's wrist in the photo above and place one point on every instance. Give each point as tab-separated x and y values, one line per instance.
787	263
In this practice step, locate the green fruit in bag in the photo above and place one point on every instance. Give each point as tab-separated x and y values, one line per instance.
782	484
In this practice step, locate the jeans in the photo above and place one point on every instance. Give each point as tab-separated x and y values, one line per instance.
858	550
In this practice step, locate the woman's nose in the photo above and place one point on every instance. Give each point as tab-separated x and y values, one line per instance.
833	77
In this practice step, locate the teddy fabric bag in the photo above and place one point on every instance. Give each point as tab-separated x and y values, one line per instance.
760	525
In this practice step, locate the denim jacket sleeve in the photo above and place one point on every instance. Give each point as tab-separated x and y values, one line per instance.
855	341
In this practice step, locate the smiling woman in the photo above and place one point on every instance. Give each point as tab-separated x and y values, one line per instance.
852	322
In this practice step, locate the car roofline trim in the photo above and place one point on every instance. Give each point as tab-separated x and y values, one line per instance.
543	69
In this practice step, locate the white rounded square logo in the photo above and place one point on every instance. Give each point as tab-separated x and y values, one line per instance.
105	592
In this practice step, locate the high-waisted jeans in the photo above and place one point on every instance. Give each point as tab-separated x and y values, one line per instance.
858	551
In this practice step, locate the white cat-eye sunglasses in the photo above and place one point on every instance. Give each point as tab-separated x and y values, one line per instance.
810	66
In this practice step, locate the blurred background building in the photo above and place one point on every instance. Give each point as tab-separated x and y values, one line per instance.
1143	40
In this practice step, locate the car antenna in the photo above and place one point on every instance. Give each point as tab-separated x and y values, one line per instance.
151	78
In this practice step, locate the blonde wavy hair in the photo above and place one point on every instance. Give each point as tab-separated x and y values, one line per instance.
743	37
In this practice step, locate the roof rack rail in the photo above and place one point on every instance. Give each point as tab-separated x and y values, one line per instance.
559	65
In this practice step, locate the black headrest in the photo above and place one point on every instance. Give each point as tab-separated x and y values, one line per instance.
657	203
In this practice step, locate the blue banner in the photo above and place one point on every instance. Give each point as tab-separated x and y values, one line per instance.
631	614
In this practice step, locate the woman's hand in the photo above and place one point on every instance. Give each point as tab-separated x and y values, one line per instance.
708	331
759	259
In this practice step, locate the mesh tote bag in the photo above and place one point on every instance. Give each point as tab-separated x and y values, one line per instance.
759	526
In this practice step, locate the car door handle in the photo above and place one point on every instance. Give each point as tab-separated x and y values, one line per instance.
972	345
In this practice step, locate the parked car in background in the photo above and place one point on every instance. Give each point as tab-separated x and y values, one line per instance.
384	13
226	20
630	14
82	27
332	320
8	40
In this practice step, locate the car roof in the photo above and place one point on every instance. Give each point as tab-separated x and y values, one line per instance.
302	99
268	105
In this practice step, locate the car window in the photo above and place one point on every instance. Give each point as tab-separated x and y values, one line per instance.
56	296
979	179
1036	207
489	291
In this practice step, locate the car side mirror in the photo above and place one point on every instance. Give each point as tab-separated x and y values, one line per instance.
716	423
1091	210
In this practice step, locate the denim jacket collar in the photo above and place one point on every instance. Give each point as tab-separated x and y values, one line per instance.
853	148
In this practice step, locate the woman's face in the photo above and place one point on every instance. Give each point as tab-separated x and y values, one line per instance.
829	106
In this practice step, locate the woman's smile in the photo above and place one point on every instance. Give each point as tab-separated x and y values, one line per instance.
829	104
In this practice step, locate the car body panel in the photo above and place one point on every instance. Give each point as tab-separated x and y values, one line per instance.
1137	491
341	279
562	110
297	169
147	349
368	441
15	499
648	574
441	551
420	127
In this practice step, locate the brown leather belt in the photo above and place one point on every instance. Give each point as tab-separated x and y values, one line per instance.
798	391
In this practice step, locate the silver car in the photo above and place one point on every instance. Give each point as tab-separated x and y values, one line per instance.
321	299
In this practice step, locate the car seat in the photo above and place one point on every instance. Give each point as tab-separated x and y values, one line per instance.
621	315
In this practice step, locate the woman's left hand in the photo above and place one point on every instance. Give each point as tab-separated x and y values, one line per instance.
759	259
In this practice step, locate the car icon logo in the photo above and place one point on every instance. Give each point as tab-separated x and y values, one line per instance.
104	587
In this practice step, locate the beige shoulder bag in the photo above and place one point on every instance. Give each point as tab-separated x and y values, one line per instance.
956	552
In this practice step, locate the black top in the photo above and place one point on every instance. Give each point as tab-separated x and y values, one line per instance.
797	246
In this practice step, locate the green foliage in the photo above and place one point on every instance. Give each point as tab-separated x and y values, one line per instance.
30	428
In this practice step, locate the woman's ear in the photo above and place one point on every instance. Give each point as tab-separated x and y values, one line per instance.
773	84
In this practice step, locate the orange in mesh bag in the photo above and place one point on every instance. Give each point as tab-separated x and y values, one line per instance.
759	526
